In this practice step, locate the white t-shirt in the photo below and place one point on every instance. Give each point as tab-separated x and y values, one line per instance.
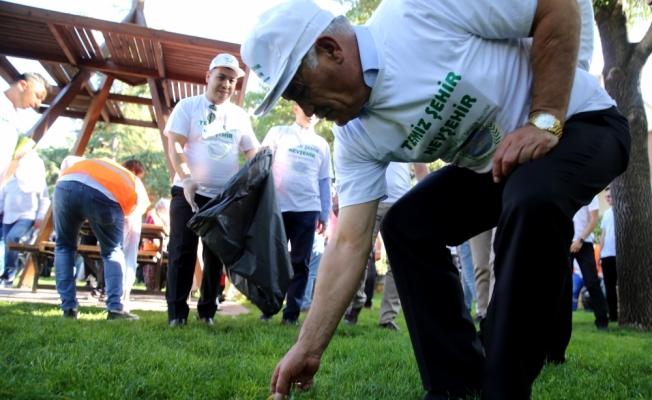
301	159
8	133
454	77
582	218
398	181
608	226
211	148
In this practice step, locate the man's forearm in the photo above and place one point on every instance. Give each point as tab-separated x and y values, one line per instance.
179	160
338	276
555	45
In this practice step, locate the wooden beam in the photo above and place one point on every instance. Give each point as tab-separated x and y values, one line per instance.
130	99
162	115
64	41
55	74
173	76
92	115
30	271
18	11
243	88
160	63
58	106
113	68
133	122
7	70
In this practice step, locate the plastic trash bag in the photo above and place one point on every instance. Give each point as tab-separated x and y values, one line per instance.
244	226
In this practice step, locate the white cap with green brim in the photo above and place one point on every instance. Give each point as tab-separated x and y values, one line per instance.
278	42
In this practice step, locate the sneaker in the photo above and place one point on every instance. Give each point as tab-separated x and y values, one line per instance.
72	313
119	314
177	322
265	318
390	325
294	322
208	321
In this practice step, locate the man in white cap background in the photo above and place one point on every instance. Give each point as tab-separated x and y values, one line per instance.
529	137
205	133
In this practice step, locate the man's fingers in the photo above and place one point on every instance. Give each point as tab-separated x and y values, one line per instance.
510	160
498	160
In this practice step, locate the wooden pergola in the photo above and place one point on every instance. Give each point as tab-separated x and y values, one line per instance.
73	48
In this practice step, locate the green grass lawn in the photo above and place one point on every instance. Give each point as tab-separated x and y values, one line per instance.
43	356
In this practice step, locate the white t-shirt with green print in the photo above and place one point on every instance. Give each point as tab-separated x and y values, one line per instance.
454	77
8	133
214	137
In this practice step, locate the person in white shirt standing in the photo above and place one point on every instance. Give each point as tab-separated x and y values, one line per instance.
608	258
205	133
27	91
302	176
585	221
24	200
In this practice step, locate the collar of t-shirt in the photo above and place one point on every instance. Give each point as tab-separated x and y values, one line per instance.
300	128
368	55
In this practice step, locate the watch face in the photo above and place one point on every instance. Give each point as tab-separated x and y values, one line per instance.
544	121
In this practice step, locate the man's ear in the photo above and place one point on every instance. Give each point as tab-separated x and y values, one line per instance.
208	76
22	85
329	47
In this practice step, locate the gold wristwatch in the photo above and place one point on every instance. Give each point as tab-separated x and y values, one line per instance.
547	122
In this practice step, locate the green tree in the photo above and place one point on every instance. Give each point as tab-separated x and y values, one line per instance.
360	10
632	195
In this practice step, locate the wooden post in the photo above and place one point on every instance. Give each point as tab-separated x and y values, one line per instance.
58	106
31	270
162	115
92	115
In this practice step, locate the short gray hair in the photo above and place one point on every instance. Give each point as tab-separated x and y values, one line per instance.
339	27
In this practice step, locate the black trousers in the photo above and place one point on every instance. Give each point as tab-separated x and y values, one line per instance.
182	251
586	260
300	230
610	282
533	211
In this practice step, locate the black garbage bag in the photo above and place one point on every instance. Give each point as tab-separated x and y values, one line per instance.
244	226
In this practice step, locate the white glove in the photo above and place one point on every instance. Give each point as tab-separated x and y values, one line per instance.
189	189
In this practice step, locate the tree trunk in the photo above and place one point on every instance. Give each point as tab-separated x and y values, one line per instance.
632	191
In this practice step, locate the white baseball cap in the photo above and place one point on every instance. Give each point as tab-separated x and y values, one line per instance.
228	61
278	42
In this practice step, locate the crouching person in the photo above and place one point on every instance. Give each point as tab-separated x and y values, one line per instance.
102	192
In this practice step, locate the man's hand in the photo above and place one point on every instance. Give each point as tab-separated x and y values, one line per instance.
523	145
576	246
189	189
297	369
37	224
321	227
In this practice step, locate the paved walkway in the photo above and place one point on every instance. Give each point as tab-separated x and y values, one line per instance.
146	302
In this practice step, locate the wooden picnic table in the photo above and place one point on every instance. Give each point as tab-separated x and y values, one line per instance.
91	253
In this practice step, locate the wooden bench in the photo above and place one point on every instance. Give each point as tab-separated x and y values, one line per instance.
90	254
34	251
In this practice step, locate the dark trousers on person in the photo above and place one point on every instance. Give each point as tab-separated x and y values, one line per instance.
300	231
370	280
182	250
533	206
610	276
586	259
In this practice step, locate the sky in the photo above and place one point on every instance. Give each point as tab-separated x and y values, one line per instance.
222	20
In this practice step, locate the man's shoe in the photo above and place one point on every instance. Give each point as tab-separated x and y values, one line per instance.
119	314
72	314
603	328
290	322
265	318
207	320
457	394
351	316
178	322
390	325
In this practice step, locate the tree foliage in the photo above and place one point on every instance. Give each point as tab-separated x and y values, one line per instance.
120	143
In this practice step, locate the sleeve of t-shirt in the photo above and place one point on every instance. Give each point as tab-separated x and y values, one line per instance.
498	19
359	180
248	139
326	168
179	121
586	36
271	139
594	204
